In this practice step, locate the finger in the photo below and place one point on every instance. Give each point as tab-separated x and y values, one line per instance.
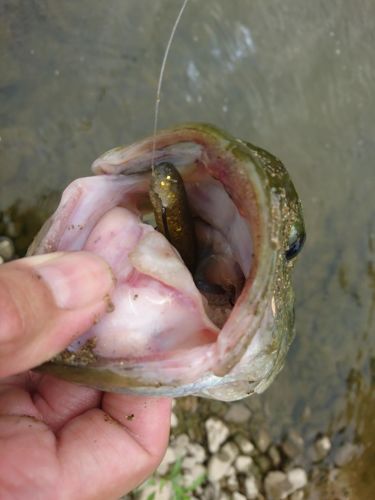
45	302
109	452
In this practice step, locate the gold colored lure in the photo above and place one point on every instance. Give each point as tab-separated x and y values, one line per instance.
172	213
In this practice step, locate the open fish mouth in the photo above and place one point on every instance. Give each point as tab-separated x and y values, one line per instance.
203	302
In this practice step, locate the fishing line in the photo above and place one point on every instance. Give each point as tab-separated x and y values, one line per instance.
161	75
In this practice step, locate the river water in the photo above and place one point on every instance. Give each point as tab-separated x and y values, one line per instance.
297	78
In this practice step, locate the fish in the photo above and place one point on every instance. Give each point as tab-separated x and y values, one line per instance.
216	322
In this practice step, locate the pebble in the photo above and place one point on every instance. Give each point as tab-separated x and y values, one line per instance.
345	453
13	229
297	478
276	485
238	413
243	464
238	496
263	440
174	420
212	491
229	452
279	485
169	458
217	433
293	444
297	495
192	475
251	488
6	248
197	452
232	481
217	468
264	463
274	455
180	445
158	491
322	447
244	444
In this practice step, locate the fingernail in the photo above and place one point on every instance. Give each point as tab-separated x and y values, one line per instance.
76	279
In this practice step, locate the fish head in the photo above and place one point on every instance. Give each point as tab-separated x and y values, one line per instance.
221	330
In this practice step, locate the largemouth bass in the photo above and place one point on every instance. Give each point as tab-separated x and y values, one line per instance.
219	326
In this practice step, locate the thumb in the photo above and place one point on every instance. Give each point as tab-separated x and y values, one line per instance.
45	302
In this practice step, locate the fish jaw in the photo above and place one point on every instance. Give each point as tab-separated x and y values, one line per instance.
250	348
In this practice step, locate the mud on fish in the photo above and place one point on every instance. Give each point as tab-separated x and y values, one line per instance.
202	247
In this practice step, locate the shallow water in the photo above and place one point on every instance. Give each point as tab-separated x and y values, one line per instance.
77	78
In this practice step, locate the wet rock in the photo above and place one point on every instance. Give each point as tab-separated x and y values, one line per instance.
322	447
345	454
238	413
251	488
276	485
297	478
293	444
169	458
217	433
274	455
244	445
6	248
243	464
262	440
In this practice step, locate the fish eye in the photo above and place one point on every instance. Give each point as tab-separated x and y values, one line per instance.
296	241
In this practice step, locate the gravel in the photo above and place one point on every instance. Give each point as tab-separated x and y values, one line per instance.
244	445
217	433
275	456
251	488
276	485
345	454
322	447
7	250
262	440
238	413
293	444
224	463
217	468
243	464
297	478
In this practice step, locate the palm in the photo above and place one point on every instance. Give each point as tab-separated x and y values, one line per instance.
59	440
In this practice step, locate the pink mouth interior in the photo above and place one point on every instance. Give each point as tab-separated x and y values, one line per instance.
158	309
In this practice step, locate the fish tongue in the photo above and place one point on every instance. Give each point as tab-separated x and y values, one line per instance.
157	307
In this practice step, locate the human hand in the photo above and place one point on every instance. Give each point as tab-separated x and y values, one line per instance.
57	439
